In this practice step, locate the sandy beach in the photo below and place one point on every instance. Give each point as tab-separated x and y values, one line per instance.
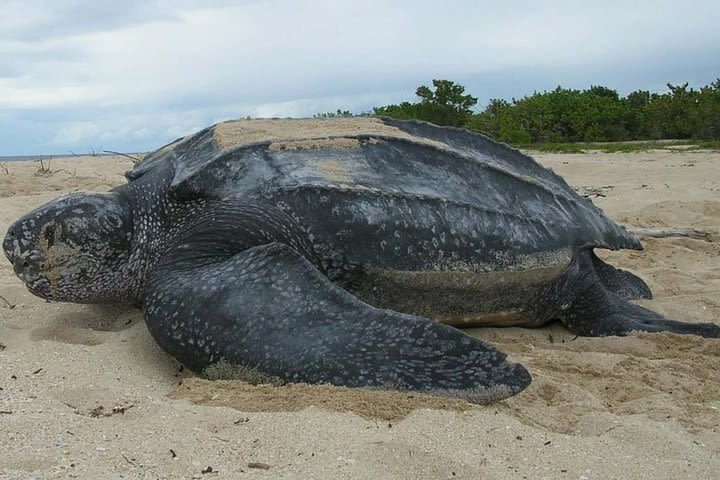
86	393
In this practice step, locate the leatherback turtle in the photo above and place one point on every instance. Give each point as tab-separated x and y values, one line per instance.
319	250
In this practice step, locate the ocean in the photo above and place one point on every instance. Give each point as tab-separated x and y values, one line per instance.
37	158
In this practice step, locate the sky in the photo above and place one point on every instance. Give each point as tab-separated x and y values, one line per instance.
91	75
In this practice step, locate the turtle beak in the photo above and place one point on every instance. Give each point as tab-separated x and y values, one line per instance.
27	266
9	244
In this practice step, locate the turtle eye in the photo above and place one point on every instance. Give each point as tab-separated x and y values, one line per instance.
49	235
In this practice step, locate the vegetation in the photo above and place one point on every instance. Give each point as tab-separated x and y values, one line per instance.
339	113
599	114
621	147
554	147
710	144
561	116
447	105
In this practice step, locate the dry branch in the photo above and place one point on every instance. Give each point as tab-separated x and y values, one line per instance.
9	305
670	232
135	160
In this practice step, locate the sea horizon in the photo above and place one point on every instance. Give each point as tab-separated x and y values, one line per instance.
37	158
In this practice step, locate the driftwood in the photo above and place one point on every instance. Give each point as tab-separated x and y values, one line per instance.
589	191
670	232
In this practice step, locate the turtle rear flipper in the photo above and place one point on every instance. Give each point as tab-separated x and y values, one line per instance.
268	313
621	282
597	311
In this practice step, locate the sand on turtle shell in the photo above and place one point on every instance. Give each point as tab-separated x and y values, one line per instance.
645	406
294	134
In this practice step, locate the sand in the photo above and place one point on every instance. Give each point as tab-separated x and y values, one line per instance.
293	134
86	393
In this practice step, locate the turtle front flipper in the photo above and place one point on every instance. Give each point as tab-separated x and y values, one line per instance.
268	314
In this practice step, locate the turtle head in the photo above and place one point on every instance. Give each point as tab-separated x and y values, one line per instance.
73	249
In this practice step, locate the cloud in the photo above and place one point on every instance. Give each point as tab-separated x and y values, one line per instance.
47	19
148	129
156	66
76	132
130	132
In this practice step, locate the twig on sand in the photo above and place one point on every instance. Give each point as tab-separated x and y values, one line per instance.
670	232
593	193
4	167
135	160
99	411
44	169
590	191
10	305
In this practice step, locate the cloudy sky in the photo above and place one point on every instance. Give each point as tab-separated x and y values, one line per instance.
83	75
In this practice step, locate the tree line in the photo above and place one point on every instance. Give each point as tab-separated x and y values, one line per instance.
596	114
